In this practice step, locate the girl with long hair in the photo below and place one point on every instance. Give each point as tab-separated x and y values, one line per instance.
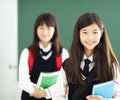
91	60
45	49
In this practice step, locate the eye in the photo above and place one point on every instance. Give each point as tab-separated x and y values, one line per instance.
95	32
84	32
48	28
40	27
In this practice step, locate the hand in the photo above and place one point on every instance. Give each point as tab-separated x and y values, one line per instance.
38	93
94	97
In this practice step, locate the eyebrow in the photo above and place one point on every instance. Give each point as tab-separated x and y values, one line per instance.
83	30
95	30
86	30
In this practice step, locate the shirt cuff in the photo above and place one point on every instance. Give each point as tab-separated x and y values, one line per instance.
48	94
107	99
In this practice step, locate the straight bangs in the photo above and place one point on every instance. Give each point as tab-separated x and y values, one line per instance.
48	20
85	20
88	19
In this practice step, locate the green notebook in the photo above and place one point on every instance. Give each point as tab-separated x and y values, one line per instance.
47	79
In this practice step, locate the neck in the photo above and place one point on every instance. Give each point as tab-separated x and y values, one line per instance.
45	45
88	53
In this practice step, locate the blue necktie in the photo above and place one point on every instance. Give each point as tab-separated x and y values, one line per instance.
86	67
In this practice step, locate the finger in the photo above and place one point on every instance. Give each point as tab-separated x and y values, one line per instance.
88	97
99	97
91	97
35	88
31	94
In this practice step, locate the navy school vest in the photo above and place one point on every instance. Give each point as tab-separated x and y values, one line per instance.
79	91
34	70
31	60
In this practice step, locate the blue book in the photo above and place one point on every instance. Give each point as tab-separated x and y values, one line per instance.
104	89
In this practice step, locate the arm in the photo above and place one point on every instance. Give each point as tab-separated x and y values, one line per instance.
24	77
116	94
57	91
116	90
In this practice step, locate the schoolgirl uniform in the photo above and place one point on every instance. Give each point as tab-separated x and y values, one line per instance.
73	89
45	63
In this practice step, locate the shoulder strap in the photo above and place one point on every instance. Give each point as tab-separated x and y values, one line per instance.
59	62
30	60
81	88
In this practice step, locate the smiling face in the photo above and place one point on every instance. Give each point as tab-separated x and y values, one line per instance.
45	34
90	38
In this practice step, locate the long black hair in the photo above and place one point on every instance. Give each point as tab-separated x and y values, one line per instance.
103	59
49	20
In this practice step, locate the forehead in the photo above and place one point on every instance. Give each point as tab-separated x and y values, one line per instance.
91	27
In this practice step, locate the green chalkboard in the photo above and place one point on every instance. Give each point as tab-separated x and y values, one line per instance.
66	13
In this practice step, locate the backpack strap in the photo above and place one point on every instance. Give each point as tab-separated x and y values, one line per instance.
30	60
58	62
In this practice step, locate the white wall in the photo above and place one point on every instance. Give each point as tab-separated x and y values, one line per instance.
9	50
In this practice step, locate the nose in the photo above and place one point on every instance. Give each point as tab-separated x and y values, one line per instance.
90	36
45	31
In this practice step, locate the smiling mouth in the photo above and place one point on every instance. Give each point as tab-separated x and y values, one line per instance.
90	43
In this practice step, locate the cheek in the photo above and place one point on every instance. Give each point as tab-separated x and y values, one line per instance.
81	39
99	37
38	34
51	33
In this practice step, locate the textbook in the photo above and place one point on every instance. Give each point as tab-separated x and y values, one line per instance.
104	89
47	79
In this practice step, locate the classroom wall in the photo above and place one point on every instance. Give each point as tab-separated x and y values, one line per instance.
66	13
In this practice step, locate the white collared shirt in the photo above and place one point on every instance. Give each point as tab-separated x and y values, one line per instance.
46	50
24	77
62	85
83	63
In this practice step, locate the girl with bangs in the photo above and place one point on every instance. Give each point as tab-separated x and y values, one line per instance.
45	49
91	61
